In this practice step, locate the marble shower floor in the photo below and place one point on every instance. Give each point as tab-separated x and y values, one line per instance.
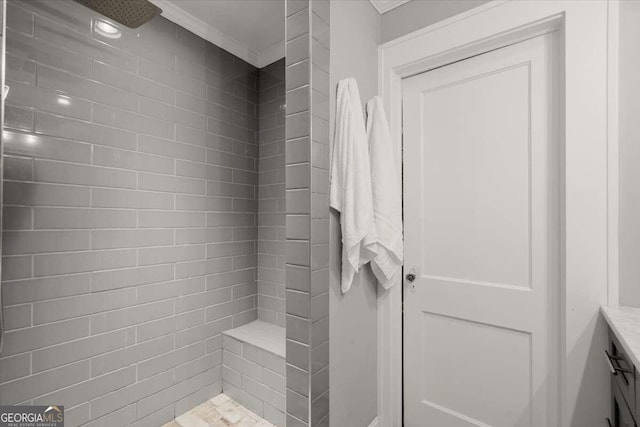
221	411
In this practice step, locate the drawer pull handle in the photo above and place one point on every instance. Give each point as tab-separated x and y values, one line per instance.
611	367
609	422
614	370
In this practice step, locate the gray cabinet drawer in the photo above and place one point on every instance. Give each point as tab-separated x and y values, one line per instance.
621	413
624	374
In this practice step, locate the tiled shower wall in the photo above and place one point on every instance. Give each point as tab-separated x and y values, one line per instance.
130	215
271	194
307	197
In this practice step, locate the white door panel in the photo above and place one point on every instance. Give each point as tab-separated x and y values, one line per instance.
482	232
468	174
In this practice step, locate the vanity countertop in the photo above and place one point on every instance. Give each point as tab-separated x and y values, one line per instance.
625	324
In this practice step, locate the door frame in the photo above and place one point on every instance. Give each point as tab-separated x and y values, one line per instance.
589	170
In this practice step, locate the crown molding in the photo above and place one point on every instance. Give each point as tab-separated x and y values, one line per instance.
271	54
197	26
383	6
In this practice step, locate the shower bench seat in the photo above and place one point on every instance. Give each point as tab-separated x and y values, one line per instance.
253	368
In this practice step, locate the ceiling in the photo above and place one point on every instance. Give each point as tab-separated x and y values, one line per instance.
258	24
386	5
250	29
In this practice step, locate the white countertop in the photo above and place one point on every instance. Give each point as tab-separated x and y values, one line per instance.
625	324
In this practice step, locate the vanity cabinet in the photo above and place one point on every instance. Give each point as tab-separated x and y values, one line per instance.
620	414
624	380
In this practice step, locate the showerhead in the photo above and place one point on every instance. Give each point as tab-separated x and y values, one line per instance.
131	13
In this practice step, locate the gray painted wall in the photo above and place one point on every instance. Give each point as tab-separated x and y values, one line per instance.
271	194
130	215
355	32
629	154
418	14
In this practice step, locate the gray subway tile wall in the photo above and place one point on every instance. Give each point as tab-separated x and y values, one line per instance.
271	195
138	224
307	185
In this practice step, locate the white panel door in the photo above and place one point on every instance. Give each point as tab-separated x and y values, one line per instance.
482	215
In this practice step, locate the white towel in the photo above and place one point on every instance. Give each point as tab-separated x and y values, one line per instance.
351	183
387	197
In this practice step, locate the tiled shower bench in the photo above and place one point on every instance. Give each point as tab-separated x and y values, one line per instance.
253	369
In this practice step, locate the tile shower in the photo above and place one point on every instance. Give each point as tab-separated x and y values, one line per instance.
143	217
271	194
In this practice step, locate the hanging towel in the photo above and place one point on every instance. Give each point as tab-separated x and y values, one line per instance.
387	197
351	183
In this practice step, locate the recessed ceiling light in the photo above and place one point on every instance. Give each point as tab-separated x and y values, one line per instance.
107	29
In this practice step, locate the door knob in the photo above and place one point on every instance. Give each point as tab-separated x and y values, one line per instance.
411	277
